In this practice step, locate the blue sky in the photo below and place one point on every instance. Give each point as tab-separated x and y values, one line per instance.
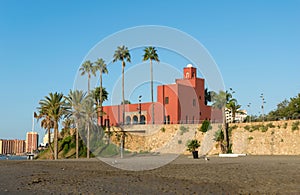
256	45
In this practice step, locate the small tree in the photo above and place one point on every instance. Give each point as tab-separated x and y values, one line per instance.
219	137
192	145
205	126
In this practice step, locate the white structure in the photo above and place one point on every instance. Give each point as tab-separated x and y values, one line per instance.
239	116
45	139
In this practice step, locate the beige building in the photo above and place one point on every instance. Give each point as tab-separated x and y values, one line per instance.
12	146
45	139
239	116
32	139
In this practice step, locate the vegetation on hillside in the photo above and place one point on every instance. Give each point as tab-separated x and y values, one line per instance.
287	109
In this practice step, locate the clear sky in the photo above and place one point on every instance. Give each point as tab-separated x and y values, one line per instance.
256	45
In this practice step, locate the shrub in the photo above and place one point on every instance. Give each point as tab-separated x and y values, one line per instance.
295	126
263	128
234	127
256	127
285	125
272	133
219	135
270	125
205	126
179	141
163	129
247	127
192	145
183	129
250	138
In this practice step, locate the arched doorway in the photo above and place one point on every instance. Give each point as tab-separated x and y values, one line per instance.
135	120
128	120
143	120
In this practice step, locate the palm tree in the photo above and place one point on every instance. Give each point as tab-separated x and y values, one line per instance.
122	54
88	114
219	102
56	108
101	66
151	54
47	124
87	68
76	99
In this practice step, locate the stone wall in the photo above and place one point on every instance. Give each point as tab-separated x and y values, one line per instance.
277	140
171	138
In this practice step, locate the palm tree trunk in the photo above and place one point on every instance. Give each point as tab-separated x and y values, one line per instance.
88	140
101	100
152	99
77	141
49	142
123	95
89	77
225	130
55	140
233	115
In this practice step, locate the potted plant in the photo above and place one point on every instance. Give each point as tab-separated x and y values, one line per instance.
192	146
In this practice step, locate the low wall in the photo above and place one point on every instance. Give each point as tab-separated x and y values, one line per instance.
277	140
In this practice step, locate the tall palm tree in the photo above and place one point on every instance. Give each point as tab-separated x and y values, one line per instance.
101	67
47	124
76	99
151	54
88	114
87	68
56	108
219	102
122	54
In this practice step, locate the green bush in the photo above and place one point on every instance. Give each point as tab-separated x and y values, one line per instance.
183	129
295	126
285	125
270	125
256	127
272	133
250	138
163	129
205	126
263	128
192	145
219	135
247	127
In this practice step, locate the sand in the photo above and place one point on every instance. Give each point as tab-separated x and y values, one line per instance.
242	175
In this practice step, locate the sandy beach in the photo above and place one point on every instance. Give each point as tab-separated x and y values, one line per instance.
242	175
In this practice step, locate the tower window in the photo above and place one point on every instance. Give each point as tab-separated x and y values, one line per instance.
166	100
194	102
187	75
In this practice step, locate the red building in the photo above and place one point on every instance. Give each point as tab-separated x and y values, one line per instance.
181	102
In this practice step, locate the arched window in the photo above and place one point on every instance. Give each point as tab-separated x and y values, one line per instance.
143	120
128	120
168	119
187	75
135	120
